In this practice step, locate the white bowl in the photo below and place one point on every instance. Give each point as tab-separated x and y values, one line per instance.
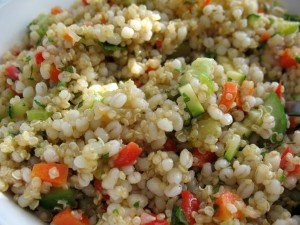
14	17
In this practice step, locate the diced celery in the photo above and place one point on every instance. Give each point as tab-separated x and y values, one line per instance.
38	114
191	100
232	147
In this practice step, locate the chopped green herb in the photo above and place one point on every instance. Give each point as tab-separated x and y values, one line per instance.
178	217
31	72
263	154
39	104
50	40
61	84
9	112
107	47
298	58
69	69
136	204
76	95
211	55
215	206
105	158
80	104
27	59
291	17
116	211
216	188
282	178
13	134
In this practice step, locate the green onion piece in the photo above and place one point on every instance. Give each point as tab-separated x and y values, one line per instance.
298	58
61	84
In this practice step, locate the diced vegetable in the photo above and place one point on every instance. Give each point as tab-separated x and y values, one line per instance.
58	198
61	84
228	97
178	217
232	147
236	76
285	164
278	90
107	47
12	72
85	2
69	217
203	66
189	204
191	100
170	145
128	155
98	185
38	114
69	69
56	10
277	111
203	157
252	19
207	126
54	72
39	58
264	37
18	109
157	222
68	38
159	43
222	212
291	17
287	60
287	27
297	58
54	173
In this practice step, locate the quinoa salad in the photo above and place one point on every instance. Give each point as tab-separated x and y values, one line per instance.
159	112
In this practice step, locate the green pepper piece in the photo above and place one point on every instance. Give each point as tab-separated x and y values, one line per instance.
57	198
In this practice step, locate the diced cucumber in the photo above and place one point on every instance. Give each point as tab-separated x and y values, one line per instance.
191	100
38	114
18	109
207	126
236	76
203	66
287	27
253	117
242	130
232	147
277	111
204	79
58	199
252	19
